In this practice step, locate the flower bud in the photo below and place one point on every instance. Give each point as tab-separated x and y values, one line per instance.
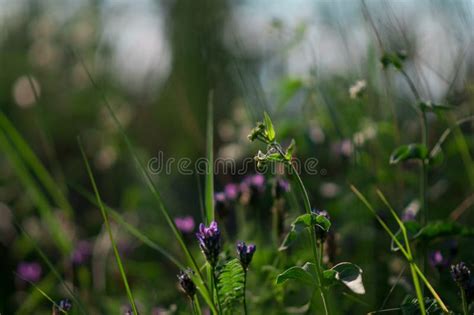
321	234
64	305
245	253
461	275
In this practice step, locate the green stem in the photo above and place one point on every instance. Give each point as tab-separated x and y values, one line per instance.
465	308
216	291
314	246
245	289
196	305
431	289
193	307
419	293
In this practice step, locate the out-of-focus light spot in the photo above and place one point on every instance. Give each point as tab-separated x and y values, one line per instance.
24	90
329	190
226	130
141	54
44	54
106	157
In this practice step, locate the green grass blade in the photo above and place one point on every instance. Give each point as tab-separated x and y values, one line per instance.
44	294
399	221
130	228
379	219
41	202
35	164
151	186
109	230
419	293
431	289
209	188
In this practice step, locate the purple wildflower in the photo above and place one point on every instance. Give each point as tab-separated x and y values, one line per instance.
219	197
280	187
185	224
245	253
437	260
209	242
29	271
81	253
186	283
231	191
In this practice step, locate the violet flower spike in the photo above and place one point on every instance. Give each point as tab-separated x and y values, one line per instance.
245	253
209	242
461	275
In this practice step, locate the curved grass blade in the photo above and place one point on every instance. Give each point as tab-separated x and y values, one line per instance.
44	294
130	228
151	186
109	230
42	203
31	159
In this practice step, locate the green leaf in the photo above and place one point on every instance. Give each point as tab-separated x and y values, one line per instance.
394	59
432	230
269	126
231	285
443	229
288	89
301	223
305	275
350	275
329	277
409	152
290	150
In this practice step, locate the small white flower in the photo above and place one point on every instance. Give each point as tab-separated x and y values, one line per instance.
357	89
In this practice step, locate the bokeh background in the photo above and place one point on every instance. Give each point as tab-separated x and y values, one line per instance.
156	63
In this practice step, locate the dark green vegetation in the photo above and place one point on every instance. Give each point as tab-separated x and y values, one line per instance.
358	189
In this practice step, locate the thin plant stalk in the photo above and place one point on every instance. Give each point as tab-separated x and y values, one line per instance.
314	246
245	292
197	305
419	293
416	281
406	251
465	308
216	291
109	230
204	290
